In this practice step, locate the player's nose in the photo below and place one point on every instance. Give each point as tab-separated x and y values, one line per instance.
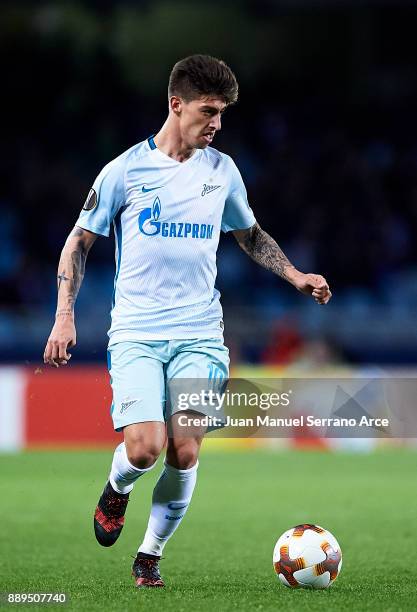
216	123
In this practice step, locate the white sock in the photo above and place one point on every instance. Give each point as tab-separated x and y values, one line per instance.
171	497
123	474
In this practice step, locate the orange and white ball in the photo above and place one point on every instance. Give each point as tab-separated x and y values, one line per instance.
307	556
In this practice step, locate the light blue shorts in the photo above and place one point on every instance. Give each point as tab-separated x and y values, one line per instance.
141	371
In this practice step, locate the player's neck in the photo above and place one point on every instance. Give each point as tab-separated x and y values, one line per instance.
169	141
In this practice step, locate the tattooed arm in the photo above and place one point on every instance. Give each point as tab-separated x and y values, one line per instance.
70	276
265	251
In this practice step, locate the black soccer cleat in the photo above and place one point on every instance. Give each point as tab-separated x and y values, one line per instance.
109	516
145	571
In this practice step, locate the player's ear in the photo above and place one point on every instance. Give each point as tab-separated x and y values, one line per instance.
175	104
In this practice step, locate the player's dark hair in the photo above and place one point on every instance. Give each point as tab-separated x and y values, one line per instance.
202	75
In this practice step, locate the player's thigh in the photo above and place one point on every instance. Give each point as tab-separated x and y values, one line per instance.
206	359
138	383
197	367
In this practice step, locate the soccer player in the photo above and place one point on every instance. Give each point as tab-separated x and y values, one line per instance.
168	198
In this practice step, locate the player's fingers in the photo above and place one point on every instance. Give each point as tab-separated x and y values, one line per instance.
64	360
320	282
62	350
321	290
318	292
47	356
54	357
52	363
55	350
324	300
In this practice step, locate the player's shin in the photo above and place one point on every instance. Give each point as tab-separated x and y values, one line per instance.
170	500
123	474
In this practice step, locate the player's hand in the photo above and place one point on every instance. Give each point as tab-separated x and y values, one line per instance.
314	285
63	336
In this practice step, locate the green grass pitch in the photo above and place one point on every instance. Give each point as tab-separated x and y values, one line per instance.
221	556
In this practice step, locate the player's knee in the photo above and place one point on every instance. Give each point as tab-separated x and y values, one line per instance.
183	456
143	456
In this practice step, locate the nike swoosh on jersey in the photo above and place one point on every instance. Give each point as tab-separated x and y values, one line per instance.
144	190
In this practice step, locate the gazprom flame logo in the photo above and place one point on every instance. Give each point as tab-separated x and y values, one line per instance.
156	209
148	219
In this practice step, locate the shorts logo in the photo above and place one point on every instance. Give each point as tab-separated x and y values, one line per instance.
150	225
209	189
91	201
126	405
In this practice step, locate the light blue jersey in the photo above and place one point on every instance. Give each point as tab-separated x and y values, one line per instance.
167	218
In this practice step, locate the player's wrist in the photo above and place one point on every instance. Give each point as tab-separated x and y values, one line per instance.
293	275
64	313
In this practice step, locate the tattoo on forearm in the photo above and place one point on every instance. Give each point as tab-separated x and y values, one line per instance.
78	259
62	277
63	312
265	251
74	262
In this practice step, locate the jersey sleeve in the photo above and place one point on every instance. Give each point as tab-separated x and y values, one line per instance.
237	213
104	200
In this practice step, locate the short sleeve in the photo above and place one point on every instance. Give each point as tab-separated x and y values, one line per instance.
104	200
237	213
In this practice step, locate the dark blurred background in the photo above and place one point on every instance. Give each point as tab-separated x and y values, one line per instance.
324	134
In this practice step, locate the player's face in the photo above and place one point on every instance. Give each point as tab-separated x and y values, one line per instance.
200	120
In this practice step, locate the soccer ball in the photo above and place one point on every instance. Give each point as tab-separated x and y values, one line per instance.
307	556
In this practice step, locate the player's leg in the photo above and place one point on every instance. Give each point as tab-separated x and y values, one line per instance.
195	362
130	462
173	492
137	380
143	443
170	500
